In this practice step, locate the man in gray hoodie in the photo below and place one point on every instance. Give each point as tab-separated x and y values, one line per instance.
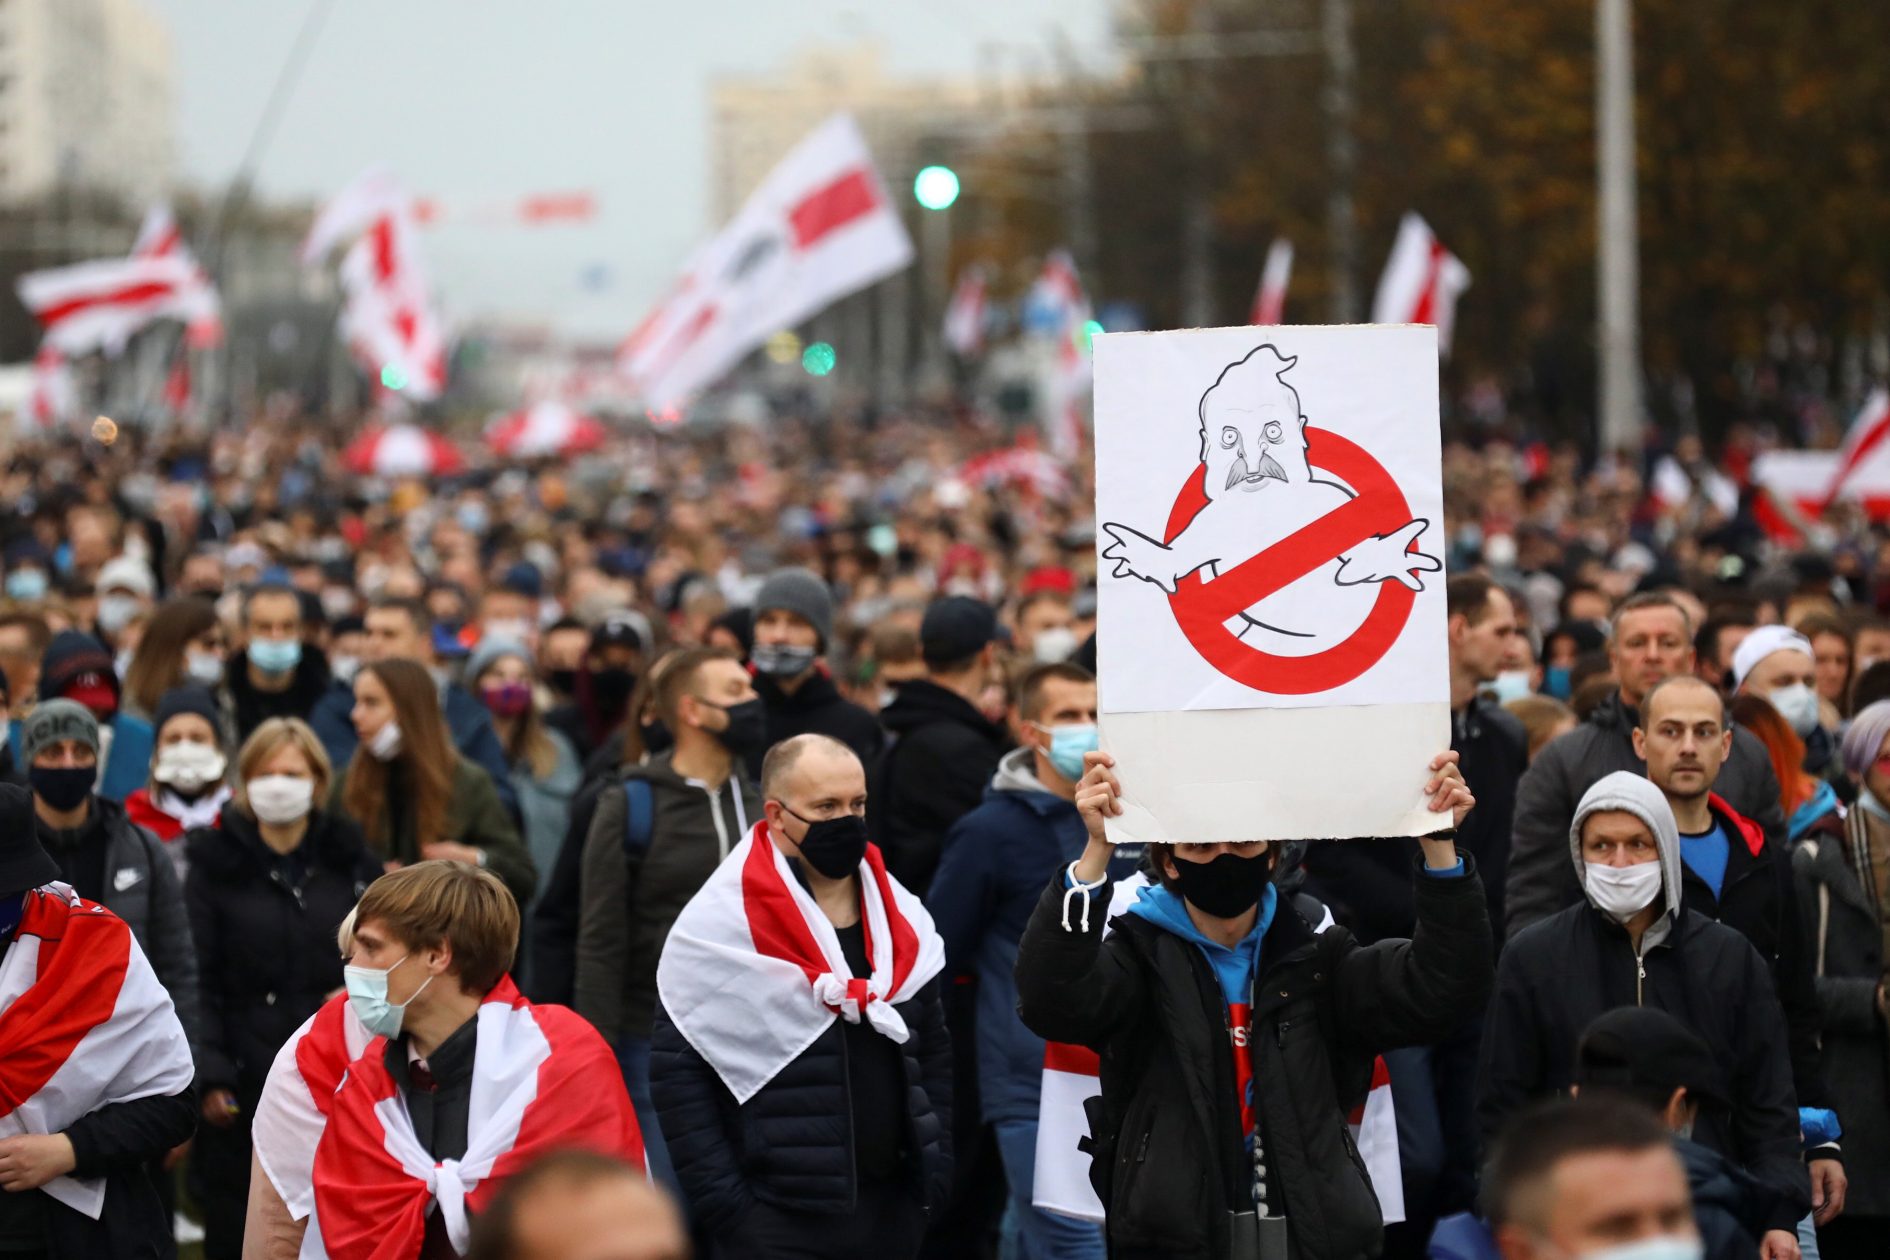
653	843
1632	942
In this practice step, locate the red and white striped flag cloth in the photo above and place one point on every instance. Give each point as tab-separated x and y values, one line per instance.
1269	301
197	304
1021	465
373	194
388	320
1422	282
98	305
532	210
83	1022
1862	440
543	1079
1058	290
1673	488
819	227
752	971
1071	1077
296	1096
964	315
55	397
546	428
402	450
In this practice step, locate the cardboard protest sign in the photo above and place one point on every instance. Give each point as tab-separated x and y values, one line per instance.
1271	636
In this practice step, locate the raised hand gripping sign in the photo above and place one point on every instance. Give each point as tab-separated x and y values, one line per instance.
1271	634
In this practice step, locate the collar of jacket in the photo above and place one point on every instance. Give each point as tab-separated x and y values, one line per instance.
1615	713
817	690
1736	824
240	843
1016	781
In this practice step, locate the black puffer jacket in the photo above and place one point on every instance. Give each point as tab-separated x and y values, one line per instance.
943	755
1559	974
1540	880
265	936
1167	1157
791	1145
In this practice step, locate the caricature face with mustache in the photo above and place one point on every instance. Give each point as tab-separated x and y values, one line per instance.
1252	434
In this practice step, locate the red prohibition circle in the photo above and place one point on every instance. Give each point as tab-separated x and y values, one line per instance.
1201	610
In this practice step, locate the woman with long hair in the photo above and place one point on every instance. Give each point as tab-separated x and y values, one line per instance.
270	880
545	769
182	643
1806	799
413	794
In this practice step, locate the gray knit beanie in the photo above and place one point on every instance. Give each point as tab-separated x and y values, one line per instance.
54	720
803	593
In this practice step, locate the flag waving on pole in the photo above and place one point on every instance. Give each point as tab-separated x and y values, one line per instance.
819	227
98	305
1865	436
1269	301
197	304
964	316
1422	282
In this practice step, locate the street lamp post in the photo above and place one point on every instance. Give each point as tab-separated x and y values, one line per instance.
1619	267
935	188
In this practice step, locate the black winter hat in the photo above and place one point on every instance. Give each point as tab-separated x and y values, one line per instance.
69	657
24	863
189	698
956	628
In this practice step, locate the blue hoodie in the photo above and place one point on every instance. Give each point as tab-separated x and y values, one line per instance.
1235	968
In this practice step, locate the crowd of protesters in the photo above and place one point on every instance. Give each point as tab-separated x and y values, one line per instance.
750	781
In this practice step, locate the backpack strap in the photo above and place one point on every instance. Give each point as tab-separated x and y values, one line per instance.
639	819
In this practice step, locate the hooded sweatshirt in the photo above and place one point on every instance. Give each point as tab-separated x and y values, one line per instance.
1630	793
1234	968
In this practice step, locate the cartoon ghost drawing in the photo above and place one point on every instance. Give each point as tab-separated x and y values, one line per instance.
1260	489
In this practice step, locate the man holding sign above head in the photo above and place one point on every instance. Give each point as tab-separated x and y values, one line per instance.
1233	1040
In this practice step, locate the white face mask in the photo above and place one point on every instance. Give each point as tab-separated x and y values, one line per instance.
1798	705
385	745
344	668
1055	645
1661	1247
204	667
1623	891
188	767
115	612
280	798
506	630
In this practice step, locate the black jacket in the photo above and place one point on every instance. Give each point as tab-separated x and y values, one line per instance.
140	886
815	708
1758	900
119	1142
1841	914
943	754
265	935
791	1145
1167	1157
1558	975
1730	1208
1541	880
253	707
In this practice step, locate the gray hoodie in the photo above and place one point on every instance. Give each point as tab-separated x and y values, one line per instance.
1630	793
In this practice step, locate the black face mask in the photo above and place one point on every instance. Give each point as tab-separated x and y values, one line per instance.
63	787
1226	887
563	681
834	846
747	727
656	737
611	688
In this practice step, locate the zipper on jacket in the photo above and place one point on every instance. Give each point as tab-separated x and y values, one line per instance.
1640	978
853	1146
722	845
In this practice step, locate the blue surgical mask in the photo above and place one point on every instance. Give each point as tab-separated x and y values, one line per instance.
1661	1247
27	584
1067	746
1511	684
367	994
275	656
1555	681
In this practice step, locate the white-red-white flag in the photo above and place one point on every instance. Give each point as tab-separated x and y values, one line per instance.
1862	440
1422	282
372	194
965	314
1269	301
197	304
1060	304
531	210
819	227
98	305
84	1023
55	398
546	428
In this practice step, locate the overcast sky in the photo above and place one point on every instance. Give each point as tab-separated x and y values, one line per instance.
491	98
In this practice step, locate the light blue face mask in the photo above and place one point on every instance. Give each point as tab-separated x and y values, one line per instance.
1067	746
1511	684
1663	1247
275	656
27	584
367	994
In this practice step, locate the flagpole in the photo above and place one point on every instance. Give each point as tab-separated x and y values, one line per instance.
1619	246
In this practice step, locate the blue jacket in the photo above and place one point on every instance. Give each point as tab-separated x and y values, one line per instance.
995	863
466	719
128	766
